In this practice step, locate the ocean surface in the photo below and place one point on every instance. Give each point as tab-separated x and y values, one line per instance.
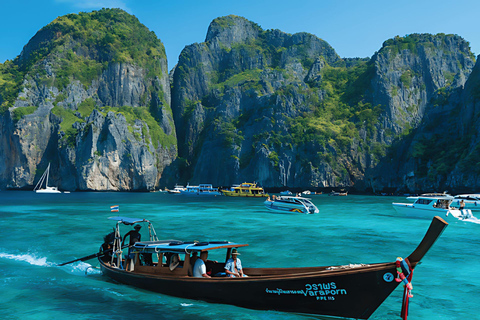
39	231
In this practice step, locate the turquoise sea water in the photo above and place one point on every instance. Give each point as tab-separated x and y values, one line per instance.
40	231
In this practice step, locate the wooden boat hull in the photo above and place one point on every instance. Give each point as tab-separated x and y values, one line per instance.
351	291
324	292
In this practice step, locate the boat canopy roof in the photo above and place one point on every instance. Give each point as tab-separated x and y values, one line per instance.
435	198
128	221
292	197
472	196
175	246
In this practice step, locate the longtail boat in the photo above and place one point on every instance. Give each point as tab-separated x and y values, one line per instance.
348	291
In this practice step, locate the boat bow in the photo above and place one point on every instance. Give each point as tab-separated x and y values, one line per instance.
435	230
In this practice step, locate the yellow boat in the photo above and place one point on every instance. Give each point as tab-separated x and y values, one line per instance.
246	189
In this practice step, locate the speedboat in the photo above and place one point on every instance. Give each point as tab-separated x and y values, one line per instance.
201	190
288	204
430	206
176	190
348	291
471	201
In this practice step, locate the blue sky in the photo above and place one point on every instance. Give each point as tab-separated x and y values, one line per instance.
352	28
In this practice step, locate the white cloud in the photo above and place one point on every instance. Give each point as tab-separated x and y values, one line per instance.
96	4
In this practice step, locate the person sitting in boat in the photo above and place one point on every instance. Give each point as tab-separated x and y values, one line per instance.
233	267
462	205
193	259
107	245
200	269
173	260
135	236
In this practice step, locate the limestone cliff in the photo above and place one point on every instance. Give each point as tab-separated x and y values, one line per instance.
91	94
286	110
94	100
443	152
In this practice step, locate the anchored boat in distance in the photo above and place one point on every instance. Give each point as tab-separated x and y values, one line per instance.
245	189
289	204
44	178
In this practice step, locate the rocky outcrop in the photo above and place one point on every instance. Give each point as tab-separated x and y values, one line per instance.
238	97
236	75
104	125
409	71
441	153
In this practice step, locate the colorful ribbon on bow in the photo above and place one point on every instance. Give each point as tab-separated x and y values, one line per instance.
405	274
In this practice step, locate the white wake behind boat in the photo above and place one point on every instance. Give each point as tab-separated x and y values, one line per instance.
44	178
288	204
431	206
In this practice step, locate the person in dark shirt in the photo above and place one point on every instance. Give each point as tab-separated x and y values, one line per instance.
135	236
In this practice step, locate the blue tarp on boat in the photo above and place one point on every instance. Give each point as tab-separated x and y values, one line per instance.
184	247
128	221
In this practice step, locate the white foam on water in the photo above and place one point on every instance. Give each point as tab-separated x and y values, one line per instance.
186	304
81	269
473	220
109	291
29	258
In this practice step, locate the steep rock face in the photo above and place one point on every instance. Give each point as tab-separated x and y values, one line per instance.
441	153
409	71
285	110
95	107
233	96
108	157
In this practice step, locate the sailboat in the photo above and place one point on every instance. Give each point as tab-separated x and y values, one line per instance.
38	188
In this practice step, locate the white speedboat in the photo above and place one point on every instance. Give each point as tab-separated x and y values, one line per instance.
288	204
471	201
44	178
176	190
201	190
431	206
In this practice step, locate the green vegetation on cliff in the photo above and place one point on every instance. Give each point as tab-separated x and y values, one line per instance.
79	47
105	36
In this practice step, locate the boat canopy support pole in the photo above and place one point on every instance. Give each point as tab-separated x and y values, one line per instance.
117	248
151	232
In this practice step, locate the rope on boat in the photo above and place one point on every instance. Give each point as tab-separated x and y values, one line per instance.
403	267
186	247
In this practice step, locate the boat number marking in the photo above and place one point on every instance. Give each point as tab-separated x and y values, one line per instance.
321	291
388	277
